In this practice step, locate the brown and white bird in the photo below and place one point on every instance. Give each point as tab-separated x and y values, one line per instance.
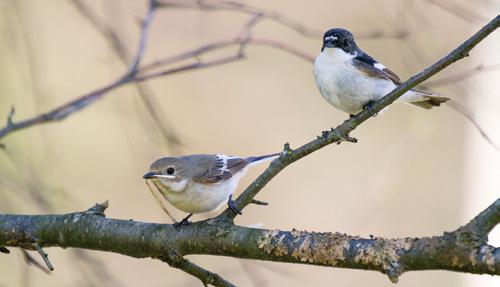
201	183
351	80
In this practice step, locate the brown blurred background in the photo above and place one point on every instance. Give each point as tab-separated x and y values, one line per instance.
413	173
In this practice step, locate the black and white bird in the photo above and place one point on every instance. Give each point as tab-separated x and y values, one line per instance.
351	80
201	183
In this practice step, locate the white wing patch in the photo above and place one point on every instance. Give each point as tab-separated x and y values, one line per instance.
225	159
331	38
379	66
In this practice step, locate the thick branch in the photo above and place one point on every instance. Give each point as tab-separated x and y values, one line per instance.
463	250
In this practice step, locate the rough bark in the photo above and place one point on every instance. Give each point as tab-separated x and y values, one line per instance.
464	250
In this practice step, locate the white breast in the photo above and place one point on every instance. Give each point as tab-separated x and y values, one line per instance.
199	197
344	86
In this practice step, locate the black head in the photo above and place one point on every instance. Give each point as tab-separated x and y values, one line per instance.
339	38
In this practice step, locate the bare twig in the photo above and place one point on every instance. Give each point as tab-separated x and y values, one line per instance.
175	260
457	10
470	117
146	24
10	116
245	33
98	209
241	7
160	202
132	75
82	102
30	260
463	75
146	95
45	257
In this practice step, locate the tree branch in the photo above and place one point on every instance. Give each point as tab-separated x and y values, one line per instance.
241	7
464	249
131	76
175	260
341	132
63	111
462	75
146	95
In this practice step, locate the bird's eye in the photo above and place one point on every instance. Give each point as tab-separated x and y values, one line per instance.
170	170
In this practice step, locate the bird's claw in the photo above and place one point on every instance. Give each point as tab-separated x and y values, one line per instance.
232	206
184	221
369	108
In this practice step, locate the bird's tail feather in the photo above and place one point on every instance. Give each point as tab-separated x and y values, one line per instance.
428	100
253	160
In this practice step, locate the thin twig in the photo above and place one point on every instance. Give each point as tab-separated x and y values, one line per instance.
146	95
470	117
160	202
10	115
44	255
241	7
246	33
457	10
98	209
175	260
463	75
82	102
146	25
30	260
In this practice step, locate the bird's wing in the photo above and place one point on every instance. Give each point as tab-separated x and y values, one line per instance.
372	68
223	167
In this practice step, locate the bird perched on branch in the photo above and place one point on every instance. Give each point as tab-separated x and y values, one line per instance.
351	80
201	182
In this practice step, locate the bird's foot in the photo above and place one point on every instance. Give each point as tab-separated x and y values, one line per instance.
369	108
232	205
184	221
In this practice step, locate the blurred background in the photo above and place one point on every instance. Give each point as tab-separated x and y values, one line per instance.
414	172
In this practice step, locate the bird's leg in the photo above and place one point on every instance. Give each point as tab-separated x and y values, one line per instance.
369	108
184	221
232	206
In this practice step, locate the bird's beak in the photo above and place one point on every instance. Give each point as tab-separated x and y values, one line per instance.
150	175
